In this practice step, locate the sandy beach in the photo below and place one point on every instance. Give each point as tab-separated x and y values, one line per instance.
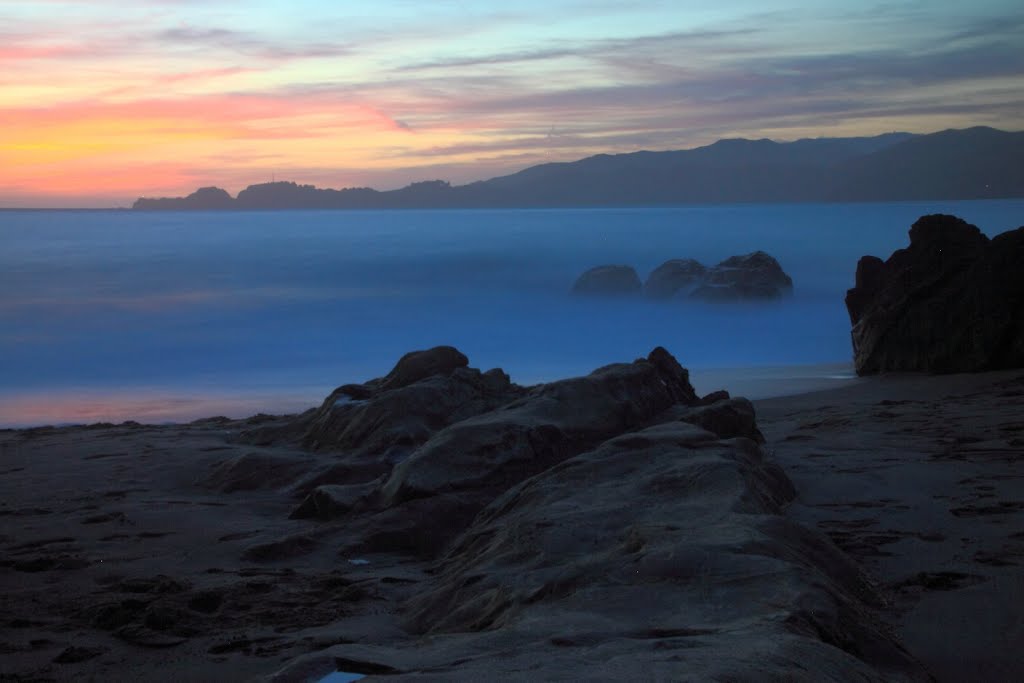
170	553
921	480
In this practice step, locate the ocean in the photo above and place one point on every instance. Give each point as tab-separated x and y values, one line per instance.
163	317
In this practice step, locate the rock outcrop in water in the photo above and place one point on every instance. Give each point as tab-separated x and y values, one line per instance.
953	301
751	277
608	281
673	276
614	525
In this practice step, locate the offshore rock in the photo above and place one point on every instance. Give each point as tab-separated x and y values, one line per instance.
753	276
674	277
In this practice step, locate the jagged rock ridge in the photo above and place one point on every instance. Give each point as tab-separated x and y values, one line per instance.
612	525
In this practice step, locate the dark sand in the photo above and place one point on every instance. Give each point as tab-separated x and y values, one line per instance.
122	559
921	480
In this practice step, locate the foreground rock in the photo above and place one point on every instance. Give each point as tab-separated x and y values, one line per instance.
659	554
608	281
727	418
618	540
381	422
612	525
465	466
953	301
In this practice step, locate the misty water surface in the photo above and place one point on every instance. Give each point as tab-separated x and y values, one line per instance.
116	315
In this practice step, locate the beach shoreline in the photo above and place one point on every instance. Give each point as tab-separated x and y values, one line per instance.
158	405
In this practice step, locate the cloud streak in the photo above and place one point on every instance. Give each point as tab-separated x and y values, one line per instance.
247	44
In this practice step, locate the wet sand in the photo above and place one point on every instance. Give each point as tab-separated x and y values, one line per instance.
921	480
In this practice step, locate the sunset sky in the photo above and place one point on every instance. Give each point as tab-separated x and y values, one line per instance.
102	101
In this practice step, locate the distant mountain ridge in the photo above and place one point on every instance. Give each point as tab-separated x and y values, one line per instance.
972	163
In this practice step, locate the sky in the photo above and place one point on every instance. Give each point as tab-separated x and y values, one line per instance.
103	101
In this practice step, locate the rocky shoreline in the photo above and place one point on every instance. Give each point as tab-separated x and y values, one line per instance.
443	523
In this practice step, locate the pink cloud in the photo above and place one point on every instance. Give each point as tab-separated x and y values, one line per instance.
11	53
206	74
257	116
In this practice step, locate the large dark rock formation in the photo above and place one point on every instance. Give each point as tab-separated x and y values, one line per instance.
608	281
953	301
381	422
726	418
612	526
464	467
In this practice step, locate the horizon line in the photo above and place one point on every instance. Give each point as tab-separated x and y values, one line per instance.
547	163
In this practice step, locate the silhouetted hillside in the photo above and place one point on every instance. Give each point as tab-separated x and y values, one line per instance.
203	199
973	163
976	163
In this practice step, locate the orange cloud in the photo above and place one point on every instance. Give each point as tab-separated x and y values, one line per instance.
206	74
144	146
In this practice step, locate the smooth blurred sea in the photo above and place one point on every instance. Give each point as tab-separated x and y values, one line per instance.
114	315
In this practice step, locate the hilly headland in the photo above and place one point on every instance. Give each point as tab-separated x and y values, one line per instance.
973	163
